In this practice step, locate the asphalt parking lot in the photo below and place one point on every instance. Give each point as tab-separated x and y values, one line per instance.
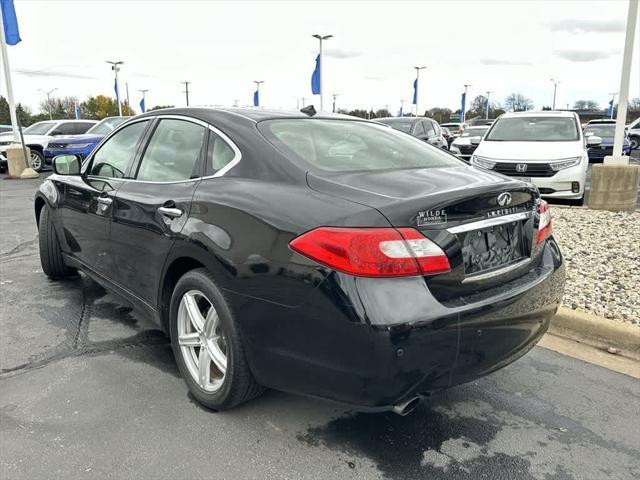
89	389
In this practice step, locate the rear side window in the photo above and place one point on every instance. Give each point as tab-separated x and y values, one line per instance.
418	131
173	153
67	128
219	154
81	127
115	155
343	145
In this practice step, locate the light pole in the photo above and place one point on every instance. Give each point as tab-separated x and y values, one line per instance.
613	102
48	94
115	66
258	82
417	85
186	84
334	95
487	113
321	38
555	88
144	99
464	104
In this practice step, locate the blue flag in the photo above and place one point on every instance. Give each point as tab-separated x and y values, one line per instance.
315	78
10	22
143	107
256	98
77	112
610	111
115	88
400	112
464	104
415	91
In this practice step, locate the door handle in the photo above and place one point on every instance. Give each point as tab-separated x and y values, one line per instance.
106	201
170	212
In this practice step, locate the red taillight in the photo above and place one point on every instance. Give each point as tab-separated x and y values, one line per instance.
544	227
373	252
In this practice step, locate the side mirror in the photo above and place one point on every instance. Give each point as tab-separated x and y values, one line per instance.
593	141
67	164
475	140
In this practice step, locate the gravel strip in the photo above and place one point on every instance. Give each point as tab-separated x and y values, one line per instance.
602	251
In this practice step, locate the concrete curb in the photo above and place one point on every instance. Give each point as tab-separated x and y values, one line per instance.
596	331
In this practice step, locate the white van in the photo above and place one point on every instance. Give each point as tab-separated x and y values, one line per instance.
543	148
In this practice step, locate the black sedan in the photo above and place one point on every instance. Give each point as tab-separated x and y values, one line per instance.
318	254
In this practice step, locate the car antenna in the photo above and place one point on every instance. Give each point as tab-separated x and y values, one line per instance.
309	110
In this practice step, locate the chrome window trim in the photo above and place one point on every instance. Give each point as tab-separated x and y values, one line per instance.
236	159
490	222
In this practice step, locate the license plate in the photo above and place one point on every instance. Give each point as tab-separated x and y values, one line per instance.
523	179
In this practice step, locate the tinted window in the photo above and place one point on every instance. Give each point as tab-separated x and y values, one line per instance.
219	154
81	127
399	124
428	126
65	129
534	129
340	145
113	158
173	152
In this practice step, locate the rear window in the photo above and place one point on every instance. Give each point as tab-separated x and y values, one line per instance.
339	145
534	129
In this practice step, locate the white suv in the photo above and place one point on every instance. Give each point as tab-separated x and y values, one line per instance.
37	137
543	148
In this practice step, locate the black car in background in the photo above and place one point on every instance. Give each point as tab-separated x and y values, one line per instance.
323	255
420	127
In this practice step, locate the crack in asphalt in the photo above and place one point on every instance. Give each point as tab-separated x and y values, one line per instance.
19	248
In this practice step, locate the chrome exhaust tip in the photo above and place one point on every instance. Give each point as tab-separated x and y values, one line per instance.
407	407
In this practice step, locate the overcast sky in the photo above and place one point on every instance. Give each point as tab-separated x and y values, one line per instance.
221	47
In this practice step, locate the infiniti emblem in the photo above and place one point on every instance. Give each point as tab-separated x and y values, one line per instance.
521	167
504	199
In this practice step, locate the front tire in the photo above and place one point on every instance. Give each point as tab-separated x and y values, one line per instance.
36	160
635	142
50	253
208	345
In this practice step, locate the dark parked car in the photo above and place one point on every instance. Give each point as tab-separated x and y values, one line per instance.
420	127
324	255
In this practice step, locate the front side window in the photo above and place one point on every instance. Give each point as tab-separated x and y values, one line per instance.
418	131
80	128
173	153
68	128
40	128
343	145
534	129
114	157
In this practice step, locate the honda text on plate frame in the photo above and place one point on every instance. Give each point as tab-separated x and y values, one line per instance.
323	255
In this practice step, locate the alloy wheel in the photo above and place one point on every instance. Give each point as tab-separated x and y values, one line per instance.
36	161
202	341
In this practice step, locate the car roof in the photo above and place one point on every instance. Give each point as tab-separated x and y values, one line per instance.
544	113
601	120
216	114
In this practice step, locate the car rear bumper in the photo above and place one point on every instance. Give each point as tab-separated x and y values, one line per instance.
375	344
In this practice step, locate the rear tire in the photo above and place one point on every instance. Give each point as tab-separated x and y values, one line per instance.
635	142
210	350
50	253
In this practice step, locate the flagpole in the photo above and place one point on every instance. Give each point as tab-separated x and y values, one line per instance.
7	75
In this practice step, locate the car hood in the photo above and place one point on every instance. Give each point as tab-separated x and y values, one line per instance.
85	138
529	150
42	139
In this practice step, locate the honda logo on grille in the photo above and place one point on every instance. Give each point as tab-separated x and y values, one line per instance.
521	167
504	199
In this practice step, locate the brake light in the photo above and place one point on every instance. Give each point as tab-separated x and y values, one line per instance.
373	252
544	227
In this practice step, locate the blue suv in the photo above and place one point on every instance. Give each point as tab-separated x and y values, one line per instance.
81	145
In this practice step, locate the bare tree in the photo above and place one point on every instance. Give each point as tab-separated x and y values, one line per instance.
589	105
517	102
